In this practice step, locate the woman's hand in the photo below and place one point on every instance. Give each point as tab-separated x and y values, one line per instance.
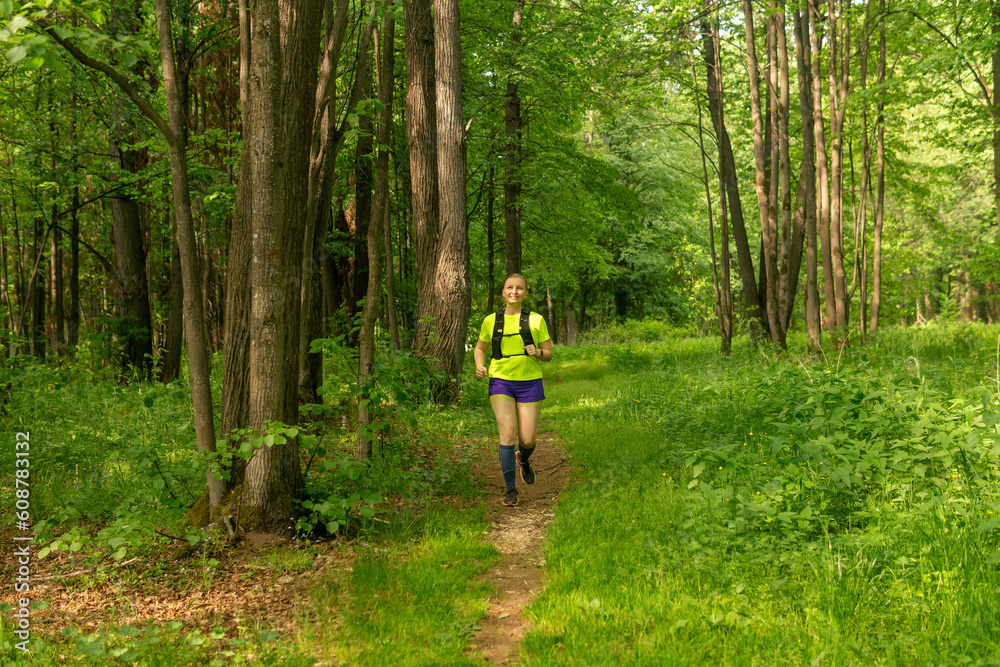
532	351
481	372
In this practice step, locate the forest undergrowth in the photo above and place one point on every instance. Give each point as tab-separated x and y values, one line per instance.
766	510
761	509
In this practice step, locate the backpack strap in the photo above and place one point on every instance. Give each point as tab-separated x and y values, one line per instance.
498	334
497	339
525	329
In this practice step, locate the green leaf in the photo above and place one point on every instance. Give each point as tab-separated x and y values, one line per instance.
127	59
116	542
16	54
6	7
268	635
988	525
44	552
118	555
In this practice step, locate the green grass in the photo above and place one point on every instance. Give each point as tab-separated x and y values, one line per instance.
755	510
417	603
772	511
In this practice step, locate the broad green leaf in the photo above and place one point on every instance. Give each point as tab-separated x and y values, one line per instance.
16	54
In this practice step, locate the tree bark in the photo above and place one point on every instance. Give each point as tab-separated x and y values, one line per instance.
512	172
134	326
838	77
994	107
284	50
822	168
38	293
880	168
452	287
765	200
727	168
73	326
807	180
723	307
327	139
490	259
171	367
198	359
421	114
375	235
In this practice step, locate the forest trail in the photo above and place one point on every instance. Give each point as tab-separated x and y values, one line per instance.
519	534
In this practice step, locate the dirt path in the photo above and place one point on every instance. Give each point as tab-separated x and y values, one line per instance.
519	533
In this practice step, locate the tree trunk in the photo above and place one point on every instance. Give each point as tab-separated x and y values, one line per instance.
363	182
860	271
792	227
421	114
452	287
994	107
512	173
171	368
38	293
490	259
880	168
765	200
386	89
727	169
56	281
73	326
838	77
327	140
807	179
134	325
198	359
376	234
723	310
284	50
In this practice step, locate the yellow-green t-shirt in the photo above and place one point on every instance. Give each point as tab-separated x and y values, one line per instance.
515	367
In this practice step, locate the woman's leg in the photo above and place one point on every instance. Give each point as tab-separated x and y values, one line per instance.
527	426
527	421
505	410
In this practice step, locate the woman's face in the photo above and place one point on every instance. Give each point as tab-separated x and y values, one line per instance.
514	290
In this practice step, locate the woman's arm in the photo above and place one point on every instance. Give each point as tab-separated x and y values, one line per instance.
479	354
542	352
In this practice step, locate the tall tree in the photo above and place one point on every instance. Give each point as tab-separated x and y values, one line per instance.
376	232
727	170
513	126
452	289
807	179
766	201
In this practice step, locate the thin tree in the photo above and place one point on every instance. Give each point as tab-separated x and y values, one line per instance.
376	233
766	201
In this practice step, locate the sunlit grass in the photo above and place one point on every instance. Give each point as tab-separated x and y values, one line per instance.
410	604
690	537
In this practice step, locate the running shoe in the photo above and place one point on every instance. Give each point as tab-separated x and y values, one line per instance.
510	498
527	474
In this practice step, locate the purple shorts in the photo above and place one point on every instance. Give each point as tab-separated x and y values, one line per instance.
519	391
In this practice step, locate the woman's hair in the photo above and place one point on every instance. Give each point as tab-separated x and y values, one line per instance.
514	275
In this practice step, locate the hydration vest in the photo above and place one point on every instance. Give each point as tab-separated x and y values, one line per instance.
498	334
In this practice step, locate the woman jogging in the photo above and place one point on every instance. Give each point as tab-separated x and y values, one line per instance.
516	340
